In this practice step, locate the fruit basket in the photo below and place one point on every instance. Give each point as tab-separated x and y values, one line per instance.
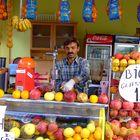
63	116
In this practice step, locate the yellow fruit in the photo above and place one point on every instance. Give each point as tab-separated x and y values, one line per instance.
78	129
77	137
1	93
49	96
25	94
39	138
70	138
91	127
16	132
46	139
93	99
98	133
85	133
68	132
58	96
16	94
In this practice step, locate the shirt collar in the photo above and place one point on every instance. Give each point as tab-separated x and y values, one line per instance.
76	60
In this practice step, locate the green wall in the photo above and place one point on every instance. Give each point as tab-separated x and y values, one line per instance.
126	26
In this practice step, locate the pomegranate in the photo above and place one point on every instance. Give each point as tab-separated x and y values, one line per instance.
123	113
52	127
116	104
118	55
42	127
36	119
132	113
103	99
113	113
127	57
70	96
131	124
133	137
128	105
35	94
116	123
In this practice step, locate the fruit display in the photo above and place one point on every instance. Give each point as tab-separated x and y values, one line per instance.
124	116
40	128
20	24
121	61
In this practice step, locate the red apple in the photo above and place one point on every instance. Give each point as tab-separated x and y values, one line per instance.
116	122
134	55
59	134
35	94
132	113
118	55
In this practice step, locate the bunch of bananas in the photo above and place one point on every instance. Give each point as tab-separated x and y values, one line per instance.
21	25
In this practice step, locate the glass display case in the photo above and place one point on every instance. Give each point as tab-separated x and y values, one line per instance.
21	112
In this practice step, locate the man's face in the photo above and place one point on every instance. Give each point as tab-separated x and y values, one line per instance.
71	50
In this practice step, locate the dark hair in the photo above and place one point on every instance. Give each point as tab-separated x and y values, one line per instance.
70	40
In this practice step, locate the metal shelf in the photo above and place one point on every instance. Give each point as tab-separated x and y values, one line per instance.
52	108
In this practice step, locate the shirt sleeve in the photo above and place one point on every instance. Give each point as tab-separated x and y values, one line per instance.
84	73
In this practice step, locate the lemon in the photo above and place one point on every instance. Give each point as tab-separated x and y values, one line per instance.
16	94
25	94
49	96
93	98
85	133
39	138
58	96
1	93
68	132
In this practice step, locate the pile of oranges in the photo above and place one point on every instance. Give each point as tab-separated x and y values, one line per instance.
3	12
17	94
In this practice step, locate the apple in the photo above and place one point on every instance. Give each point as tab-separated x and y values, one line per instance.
52	127
42	127
127	57
103	99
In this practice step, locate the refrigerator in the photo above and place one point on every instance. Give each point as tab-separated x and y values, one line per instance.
126	44
98	51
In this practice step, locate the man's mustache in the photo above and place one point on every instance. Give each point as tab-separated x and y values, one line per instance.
70	53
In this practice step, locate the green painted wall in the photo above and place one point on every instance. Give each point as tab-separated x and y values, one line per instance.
127	25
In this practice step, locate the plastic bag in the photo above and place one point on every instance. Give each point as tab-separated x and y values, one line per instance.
114	9
89	11
64	11
138	13
31	9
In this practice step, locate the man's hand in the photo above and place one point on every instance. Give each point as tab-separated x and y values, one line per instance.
68	85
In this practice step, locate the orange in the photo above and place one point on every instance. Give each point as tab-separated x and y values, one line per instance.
91	137
25	94
58	96
70	138
1	93
78	129
77	136
16	94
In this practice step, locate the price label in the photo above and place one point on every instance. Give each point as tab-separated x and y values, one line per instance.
7	136
129	85
2	115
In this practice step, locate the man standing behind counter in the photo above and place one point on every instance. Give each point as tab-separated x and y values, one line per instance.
73	71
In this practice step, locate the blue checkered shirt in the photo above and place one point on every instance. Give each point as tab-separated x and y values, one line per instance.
78	69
